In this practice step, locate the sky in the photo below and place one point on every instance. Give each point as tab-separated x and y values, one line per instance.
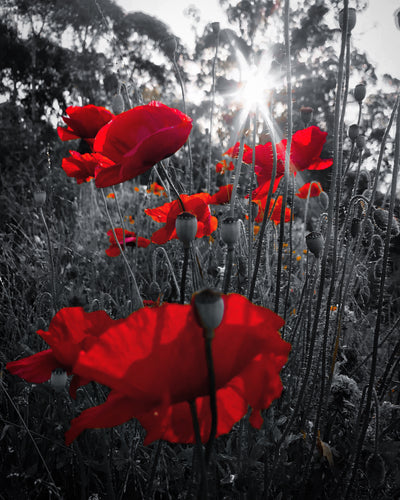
375	31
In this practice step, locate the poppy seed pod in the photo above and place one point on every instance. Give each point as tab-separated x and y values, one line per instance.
39	197
117	104
230	229
359	92
209	307
306	113
58	379
315	243
360	142
355	226
186	227
354	132
351	19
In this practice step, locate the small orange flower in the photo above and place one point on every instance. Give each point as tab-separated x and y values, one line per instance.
111	195
156	189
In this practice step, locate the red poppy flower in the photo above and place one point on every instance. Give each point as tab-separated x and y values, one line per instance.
223	166
155	364
84	122
82	167
276	214
314	188
305	153
156	189
167	213
70	331
137	139
131	240
222	196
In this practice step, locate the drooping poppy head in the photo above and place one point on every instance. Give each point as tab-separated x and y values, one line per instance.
155	364
310	189
167	213
137	139
131	240
70	331
83	122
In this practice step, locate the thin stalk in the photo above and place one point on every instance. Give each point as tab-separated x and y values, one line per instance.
396	165
250	221
287	155
50	250
228	268
172	185
200	454
154	466
186	254
213	397
208	183
238	168
137	301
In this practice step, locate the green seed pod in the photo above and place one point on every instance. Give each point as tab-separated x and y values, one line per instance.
230	230
360	92
351	19
117	104
354	132
360	142
39	197
306	113
315	243
186	227
209	307
58	379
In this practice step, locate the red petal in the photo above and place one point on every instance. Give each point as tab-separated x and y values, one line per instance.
36	368
314	188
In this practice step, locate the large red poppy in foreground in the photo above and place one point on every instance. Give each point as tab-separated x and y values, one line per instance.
70	331
137	139
305	154
154	362
167	213
83	122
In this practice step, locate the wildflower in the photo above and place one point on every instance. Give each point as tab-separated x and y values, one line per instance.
70	331
79	166
83	122
223	166
156	189
137	139
111	195
274	212
153	363
222	196
310	189
131	240
167	214
305	154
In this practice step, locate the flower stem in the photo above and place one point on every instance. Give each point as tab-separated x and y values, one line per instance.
213	397
186	250
238	168
199	447
172	185
250	221
228	268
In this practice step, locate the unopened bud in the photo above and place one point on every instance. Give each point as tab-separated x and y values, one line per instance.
359	92
117	104
360	142
39	197
169	46
230	229
306	113
355	227
351	19
209	307
154	290
58	379
186	227
323	199
215	27
315	243
354	132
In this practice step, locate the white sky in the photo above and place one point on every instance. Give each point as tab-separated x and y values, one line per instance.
375	31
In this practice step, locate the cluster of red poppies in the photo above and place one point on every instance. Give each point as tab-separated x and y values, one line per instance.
154	362
126	145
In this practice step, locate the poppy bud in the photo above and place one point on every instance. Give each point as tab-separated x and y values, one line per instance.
306	114
359	92
154	290
354	132
230	229
375	469
351	19
39	197
209	307
58	379
170	46
381	219
360	142
117	104
215	27
186	227
315	243
355	227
